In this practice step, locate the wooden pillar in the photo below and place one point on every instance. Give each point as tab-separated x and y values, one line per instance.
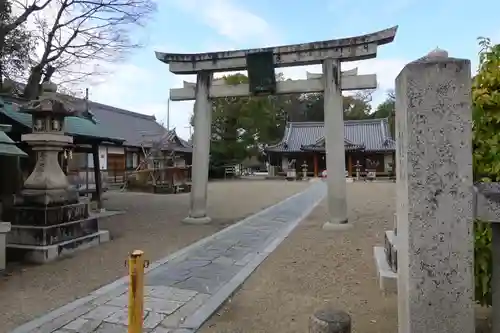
349	164
315	158
394	162
97	176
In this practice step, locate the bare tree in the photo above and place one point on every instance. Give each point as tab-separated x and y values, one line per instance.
25	9
84	33
391	94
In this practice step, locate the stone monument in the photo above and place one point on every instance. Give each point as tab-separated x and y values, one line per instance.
432	248
48	219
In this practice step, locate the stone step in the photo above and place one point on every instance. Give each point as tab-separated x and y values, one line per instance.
390	249
115	186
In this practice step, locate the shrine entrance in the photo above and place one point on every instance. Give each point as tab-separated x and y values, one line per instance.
261	65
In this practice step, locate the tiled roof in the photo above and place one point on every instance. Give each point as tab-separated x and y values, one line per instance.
320	146
131	128
137	128
169	140
7	145
76	126
371	134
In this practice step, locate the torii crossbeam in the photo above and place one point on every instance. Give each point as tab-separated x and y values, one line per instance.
260	64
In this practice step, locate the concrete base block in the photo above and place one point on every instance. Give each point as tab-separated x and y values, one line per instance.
44	254
197	220
387	279
349	180
332	226
4	229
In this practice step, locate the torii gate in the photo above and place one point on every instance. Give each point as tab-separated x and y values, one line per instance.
260	64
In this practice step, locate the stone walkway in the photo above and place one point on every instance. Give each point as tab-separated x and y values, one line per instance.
184	290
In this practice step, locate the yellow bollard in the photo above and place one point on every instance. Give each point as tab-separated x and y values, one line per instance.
136	264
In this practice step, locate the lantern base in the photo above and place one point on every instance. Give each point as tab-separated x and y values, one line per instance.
37	254
45	197
41	234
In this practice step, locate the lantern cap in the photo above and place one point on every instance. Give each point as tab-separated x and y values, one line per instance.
48	102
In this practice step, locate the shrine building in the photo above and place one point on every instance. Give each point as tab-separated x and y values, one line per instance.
367	141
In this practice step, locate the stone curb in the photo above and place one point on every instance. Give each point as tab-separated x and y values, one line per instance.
197	319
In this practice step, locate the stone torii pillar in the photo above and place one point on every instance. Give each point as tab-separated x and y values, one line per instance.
201	150
334	144
261	64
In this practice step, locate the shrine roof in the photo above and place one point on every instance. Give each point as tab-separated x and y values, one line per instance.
367	134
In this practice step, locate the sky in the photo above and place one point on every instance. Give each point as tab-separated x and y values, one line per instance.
141	83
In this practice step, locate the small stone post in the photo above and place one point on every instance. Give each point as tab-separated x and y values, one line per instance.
434	195
330	321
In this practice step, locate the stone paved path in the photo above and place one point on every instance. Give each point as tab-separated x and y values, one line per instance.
183	290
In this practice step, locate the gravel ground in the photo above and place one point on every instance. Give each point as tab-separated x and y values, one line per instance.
152	223
312	269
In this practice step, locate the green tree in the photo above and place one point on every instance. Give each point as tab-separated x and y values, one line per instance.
16	42
242	126
486	157
357	106
310	107
387	109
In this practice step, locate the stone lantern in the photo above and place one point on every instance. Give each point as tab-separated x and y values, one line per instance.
358	169
305	167
47	184
49	220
